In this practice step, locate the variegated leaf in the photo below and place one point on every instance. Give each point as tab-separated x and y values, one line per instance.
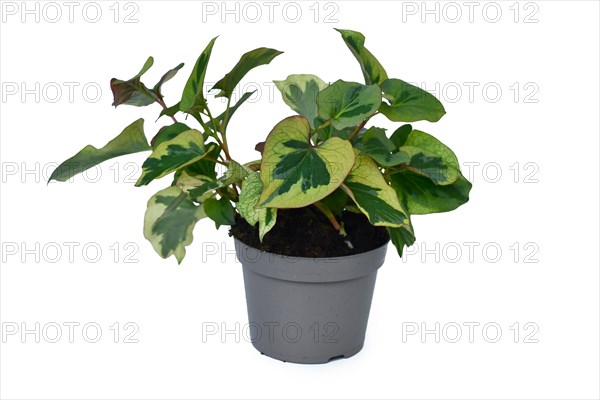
431	182
133	91
401	237
300	93
373	71
294	172
376	199
169	221
247	62
235	173
347	104
184	149
168	132
409	103
430	157
379	147
422	196
251	191
131	140
192	98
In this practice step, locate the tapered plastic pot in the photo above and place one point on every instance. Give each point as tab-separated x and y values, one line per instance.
308	310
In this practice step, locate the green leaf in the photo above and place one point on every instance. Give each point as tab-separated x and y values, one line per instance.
376	199
347	104
296	174
220	211
300	93
429	165
249	60
375	144
233	109
192	97
168	132
409	103
422	196
251	191
401	237
184	149
169	221
329	131
432	181
133	91
170	111
188	182
372	70
131	140
166	77
431	158
336	201
235	173
206	166
400	135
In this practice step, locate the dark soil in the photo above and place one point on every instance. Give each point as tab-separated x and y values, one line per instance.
305	232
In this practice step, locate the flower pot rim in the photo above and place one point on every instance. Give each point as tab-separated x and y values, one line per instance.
311	259
310	269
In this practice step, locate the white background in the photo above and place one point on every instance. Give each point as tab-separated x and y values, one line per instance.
549	209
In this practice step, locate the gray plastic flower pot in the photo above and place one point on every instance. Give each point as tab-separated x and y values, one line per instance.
308	310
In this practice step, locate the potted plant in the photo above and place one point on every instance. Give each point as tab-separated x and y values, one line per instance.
311	219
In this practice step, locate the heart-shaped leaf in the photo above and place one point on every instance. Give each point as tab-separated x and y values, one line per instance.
422	196
409	103
295	173
184	149
300	93
347	104
431	182
430	157
374	197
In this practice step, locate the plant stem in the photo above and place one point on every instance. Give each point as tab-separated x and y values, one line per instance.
362	125
323	126
336	225
164	106
222	143
216	161
224	124
358	129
